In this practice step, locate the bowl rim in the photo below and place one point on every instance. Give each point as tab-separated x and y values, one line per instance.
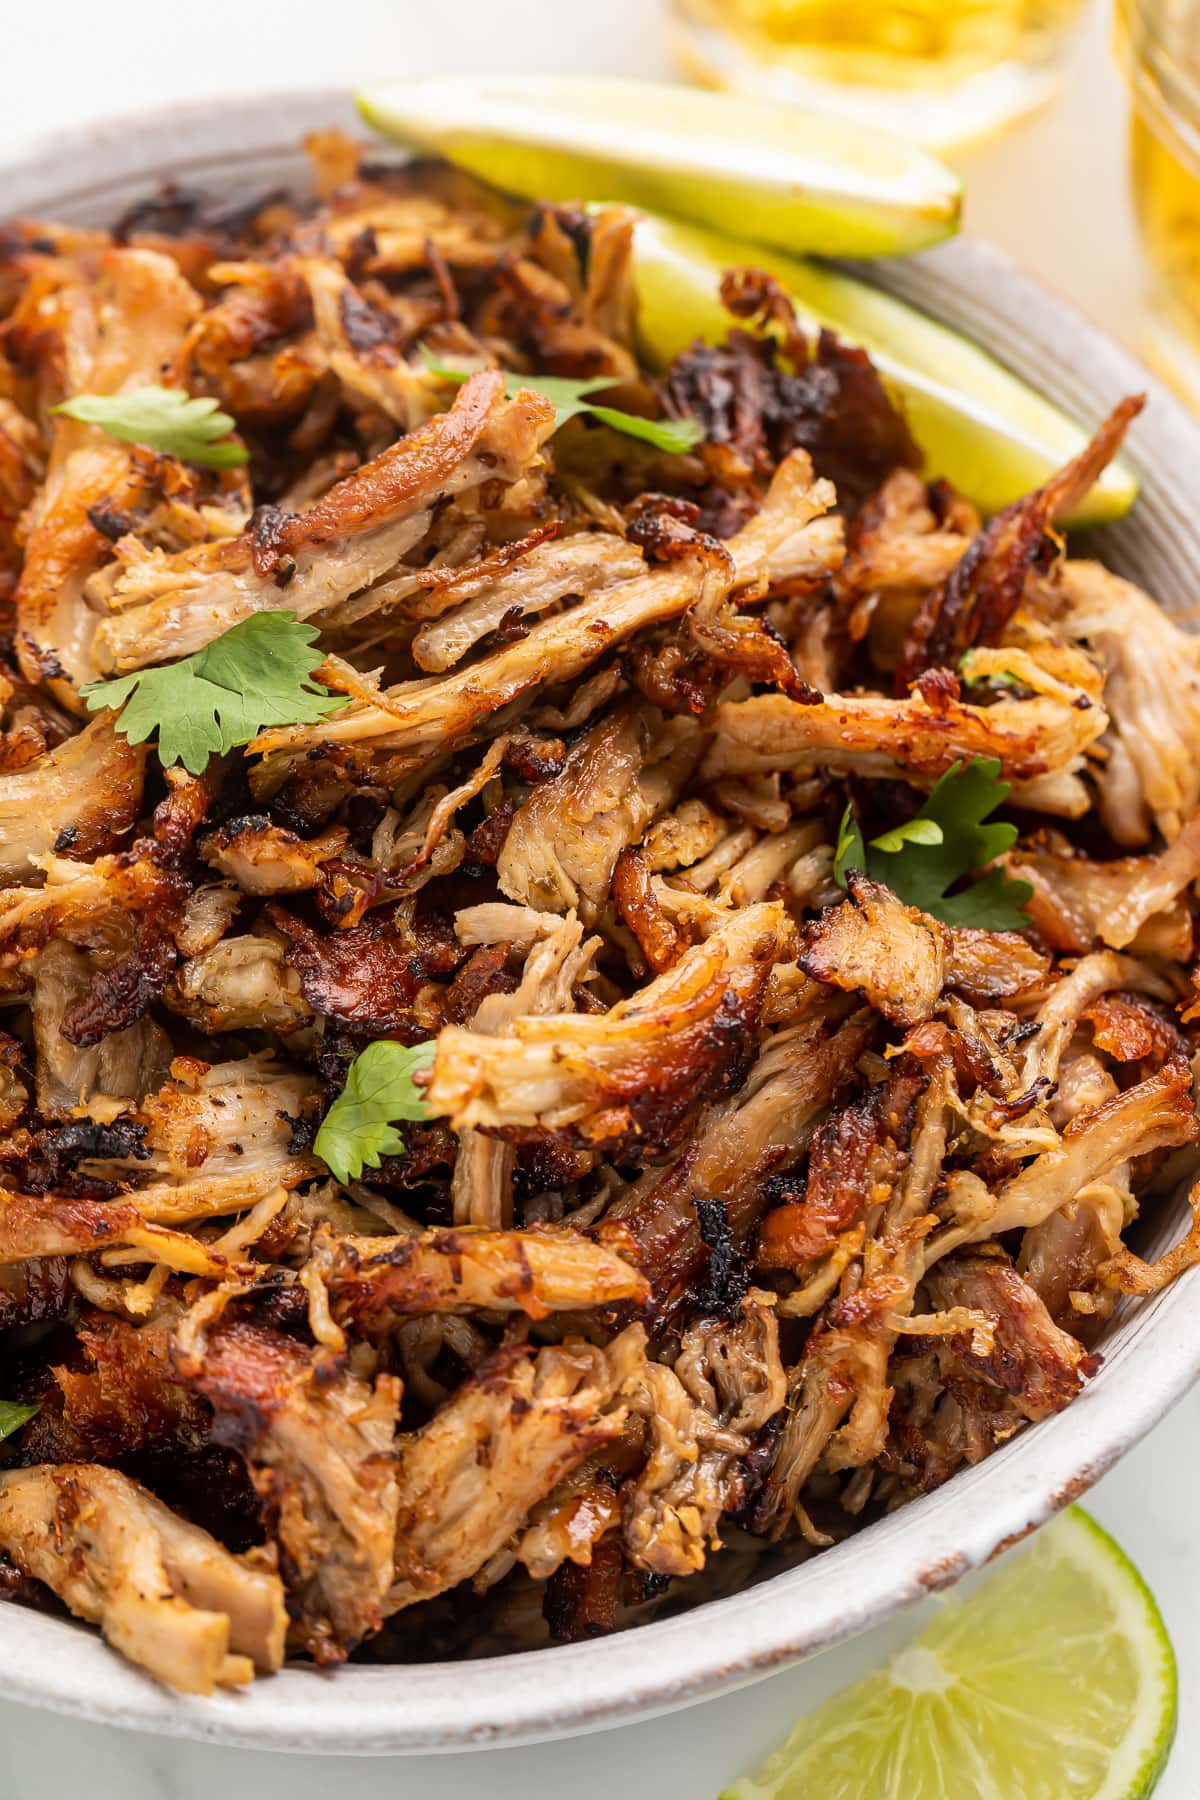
725	1643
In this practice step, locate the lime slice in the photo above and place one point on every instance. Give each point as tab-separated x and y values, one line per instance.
799	180
981	427
1054	1681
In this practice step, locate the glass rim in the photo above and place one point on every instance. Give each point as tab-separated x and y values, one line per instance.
1149	38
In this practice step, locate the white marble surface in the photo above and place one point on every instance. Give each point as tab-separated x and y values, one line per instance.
1053	195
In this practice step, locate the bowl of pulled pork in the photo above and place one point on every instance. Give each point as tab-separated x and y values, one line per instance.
597	1059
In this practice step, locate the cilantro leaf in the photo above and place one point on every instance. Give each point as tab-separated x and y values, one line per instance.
567	397
996	678
359	1127
676	436
13	1415
167	419
850	852
993	903
949	837
915	831
1003	678
255	674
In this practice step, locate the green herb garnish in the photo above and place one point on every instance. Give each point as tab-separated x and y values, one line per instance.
256	674
922	860
1001	678
166	419
359	1128
567	398
13	1415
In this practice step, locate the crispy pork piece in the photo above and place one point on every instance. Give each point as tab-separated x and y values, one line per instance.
20	473
81	798
960	1400
481	1186
163	1592
635	1071
786	536
1158	1113
14	1092
793	540
215	1139
205	917
701	1417
913	740
318	1440
1127	1273
479	600
1130	903
374	1283
242	983
121	326
639	907
96	904
696	1217
419	715
34	1226
367	974
1130	1028
987	966
563	843
899	544
306	562
498	1446
573	1525
1151	694
984	590
265	858
854	1162
119	1401
1029	1357
251	347
123	1067
40	1225
761	395
463	563
35	1291
356	342
874	945
1064	1258
226	1119
839	1398
1069	1000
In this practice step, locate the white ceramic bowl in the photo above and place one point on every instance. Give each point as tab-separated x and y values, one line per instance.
1151	1354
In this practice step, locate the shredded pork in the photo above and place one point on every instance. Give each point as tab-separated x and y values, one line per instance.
737	1200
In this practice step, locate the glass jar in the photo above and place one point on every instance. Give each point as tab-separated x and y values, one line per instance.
944	73
1158	42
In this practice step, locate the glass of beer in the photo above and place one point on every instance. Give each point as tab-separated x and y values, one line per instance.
941	72
1159	44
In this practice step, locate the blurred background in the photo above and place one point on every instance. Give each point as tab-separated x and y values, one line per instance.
1053	189
1055	111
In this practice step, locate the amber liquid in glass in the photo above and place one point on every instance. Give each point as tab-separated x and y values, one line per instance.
1165	175
944	70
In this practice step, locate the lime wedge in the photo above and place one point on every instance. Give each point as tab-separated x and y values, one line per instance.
1054	1681
799	180
981	427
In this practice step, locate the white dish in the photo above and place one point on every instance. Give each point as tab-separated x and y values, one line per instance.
1152	1352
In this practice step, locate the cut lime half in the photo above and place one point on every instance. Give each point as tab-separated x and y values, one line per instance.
810	183
979	425
801	181
1055	1680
